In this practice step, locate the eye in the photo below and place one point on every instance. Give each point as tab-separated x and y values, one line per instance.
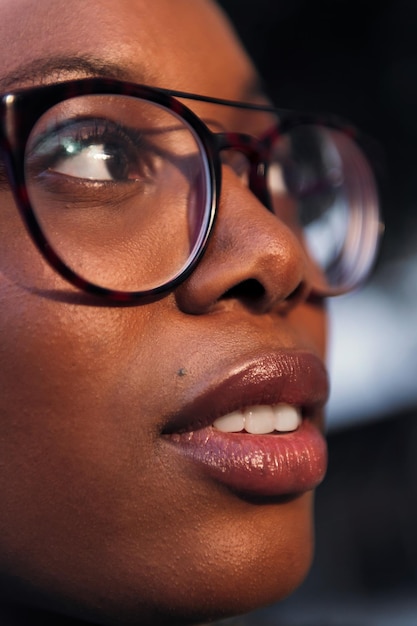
93	149
95	162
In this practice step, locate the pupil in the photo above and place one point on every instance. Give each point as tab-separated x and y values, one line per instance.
116	161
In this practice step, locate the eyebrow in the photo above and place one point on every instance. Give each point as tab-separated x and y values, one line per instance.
43	70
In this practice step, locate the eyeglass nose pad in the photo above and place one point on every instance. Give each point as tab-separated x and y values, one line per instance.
243	154
258	184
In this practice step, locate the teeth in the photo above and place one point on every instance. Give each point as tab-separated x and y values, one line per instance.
260	420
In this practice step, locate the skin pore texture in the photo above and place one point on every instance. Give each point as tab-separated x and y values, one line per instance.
102	520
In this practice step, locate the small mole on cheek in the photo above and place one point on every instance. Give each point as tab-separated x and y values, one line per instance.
182	372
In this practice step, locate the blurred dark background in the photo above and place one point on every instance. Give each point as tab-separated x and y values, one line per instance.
358	59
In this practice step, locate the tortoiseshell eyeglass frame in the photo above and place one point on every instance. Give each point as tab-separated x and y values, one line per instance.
21	109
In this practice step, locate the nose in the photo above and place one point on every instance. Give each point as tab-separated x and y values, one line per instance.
252	257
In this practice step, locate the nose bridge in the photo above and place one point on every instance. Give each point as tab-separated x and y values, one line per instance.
257	153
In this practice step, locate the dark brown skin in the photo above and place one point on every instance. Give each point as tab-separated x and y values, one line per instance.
99	520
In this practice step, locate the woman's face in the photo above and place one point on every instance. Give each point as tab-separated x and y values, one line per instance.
110	511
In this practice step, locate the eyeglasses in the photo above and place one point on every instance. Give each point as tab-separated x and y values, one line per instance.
119	184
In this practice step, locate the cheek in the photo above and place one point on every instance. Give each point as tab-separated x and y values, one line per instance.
54	382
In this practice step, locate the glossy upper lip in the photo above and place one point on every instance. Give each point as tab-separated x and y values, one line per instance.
288	376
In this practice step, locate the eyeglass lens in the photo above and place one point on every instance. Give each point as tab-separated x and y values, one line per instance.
329	179
120	189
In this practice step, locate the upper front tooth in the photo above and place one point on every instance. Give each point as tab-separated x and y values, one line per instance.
230	423
287	418
259	420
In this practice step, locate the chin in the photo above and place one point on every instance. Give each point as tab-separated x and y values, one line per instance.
251	567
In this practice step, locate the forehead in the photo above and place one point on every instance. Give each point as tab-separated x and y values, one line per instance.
178	44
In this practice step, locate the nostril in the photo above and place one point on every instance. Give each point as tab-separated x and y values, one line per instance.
255	296
250	291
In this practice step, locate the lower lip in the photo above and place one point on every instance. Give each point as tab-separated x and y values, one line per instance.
259	465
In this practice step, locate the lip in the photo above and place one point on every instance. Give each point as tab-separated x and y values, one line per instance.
258	465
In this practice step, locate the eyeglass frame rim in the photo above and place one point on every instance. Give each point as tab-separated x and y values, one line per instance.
20	109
